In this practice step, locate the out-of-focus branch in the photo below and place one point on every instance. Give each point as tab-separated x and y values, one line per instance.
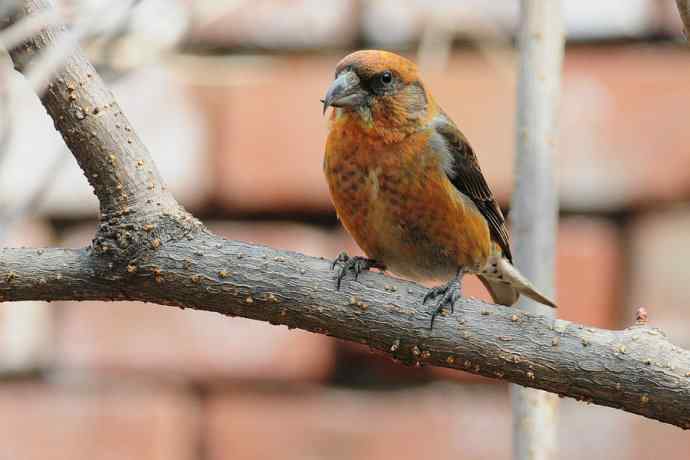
39	71
684	11
147	248
5	106
534	210
110	153
13	36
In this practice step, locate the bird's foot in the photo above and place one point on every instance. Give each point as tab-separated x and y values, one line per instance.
444	296
356	265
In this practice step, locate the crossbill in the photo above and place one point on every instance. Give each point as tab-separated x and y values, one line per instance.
408	187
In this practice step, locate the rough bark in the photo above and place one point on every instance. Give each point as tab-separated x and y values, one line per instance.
148	248
534	210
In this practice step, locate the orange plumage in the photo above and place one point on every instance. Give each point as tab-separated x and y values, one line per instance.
407	186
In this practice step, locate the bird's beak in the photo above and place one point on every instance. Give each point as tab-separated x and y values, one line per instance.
345	91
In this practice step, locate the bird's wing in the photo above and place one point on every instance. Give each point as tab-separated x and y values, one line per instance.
462	168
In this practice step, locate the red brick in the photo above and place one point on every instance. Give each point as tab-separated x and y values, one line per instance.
268	136
41	422
267	132
28	232
589	272
146	338
363	425
605	161
650	439
588	431
269	155
611	160
659	276
310	240
439	421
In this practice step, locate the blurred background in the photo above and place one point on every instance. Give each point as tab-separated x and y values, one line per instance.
225	93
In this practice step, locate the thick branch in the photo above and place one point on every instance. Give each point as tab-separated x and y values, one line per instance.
158	253
636	369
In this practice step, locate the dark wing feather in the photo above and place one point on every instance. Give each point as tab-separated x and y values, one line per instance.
464	172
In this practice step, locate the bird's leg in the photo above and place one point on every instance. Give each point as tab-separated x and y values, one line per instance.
447	295
354	264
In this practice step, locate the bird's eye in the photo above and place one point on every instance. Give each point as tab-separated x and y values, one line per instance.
386	77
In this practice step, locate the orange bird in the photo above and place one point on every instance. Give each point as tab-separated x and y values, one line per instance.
407	185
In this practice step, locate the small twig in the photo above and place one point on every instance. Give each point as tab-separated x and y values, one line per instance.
13	36
108	150
684	11
40	70
8	8
5	106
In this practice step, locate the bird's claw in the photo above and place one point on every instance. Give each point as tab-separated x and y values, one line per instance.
356	265
448	295
340	259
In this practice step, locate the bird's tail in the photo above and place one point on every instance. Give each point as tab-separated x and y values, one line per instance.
505	284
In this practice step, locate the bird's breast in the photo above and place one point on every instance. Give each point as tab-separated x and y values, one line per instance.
401	209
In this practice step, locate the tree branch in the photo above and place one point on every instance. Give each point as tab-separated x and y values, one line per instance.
684	11
636	369
113	158
147	248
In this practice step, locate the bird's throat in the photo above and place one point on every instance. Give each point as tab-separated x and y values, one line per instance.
365	116
365	126
362	115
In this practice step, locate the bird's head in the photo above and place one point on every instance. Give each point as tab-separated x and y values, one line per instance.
382	87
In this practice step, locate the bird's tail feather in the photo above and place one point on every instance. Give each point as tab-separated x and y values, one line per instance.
505	283
502	293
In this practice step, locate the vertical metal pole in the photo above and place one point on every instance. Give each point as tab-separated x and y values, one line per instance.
534	211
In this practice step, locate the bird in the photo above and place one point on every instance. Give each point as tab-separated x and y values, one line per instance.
407	186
